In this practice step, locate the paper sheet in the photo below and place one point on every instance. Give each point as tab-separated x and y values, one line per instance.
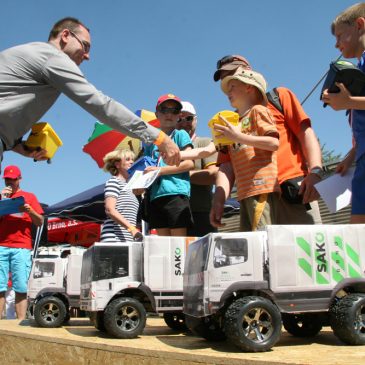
139	180
336	190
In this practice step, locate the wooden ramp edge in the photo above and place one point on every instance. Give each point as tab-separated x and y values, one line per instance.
80	343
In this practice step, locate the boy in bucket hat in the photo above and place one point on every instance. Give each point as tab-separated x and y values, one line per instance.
252	162
299	155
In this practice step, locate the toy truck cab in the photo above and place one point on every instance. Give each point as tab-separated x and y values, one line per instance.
54	285
123	281
243	286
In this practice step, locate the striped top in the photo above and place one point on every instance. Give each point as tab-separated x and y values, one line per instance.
126	204
255	169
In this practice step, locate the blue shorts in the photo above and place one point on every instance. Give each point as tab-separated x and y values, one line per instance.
17	261
358	187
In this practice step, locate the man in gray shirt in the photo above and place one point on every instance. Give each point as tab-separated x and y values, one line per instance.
33	75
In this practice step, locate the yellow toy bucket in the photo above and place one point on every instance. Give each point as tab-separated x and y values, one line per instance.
43	136
231	117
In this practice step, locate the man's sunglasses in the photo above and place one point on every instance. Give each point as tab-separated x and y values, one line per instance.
188	118
228	59
175	111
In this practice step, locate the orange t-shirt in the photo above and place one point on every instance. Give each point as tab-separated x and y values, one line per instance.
255	169
291	162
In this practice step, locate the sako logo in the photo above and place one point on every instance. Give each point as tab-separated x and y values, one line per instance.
323	265
177	261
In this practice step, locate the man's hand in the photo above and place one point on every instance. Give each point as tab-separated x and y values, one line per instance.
307	189
170	152
6	192
346	163
216	214
338	101
26	208
38	154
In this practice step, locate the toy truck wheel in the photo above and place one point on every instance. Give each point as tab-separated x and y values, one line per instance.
301	325
205	327
175	321
125	318
50	312
67	318
347	318
253	324
97	319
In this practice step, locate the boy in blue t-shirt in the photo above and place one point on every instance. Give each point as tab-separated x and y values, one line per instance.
349	30
170	212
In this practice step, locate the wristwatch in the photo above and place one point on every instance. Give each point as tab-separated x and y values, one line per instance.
318	171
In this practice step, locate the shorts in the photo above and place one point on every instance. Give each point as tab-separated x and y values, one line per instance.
358	188
289	213
201	225
17	261
172	211
258	211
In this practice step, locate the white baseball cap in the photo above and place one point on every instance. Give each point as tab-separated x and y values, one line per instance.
188	107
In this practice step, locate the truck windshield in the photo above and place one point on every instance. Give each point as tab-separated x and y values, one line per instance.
230	251
99	263
197	255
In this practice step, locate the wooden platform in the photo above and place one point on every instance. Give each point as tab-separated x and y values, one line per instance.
80	343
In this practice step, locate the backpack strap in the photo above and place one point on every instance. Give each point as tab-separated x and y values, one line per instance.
273	97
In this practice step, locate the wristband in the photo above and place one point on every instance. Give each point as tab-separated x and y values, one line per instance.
131	229
161	137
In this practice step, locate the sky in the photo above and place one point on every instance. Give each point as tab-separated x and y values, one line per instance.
142	49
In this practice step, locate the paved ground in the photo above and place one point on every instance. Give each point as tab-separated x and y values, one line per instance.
82	344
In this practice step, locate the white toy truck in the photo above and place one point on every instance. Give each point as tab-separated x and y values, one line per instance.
54	285
243	286
122	282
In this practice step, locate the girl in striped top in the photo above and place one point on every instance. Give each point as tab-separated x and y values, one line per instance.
121	206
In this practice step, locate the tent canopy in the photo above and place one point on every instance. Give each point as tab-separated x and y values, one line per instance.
85	206
89	206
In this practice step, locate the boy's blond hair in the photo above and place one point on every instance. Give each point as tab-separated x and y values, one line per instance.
112	157
349	15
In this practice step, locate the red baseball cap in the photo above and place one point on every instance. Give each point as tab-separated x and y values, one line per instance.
12	172
166	97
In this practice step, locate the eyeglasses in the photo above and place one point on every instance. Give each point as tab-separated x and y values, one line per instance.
170	110
188	118
85	45
229	59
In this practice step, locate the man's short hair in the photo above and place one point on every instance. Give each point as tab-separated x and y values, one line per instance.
70	23
349	15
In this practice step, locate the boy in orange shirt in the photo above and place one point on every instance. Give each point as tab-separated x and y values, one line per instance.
252	162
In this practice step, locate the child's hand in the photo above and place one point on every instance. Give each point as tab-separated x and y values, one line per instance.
338	101
150	168
228	130
138	191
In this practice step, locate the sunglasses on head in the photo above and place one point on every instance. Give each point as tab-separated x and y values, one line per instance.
227	59
170	110
188	118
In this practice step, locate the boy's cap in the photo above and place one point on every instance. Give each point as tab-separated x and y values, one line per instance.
248	77
229	63
166	97
12	172
188	107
